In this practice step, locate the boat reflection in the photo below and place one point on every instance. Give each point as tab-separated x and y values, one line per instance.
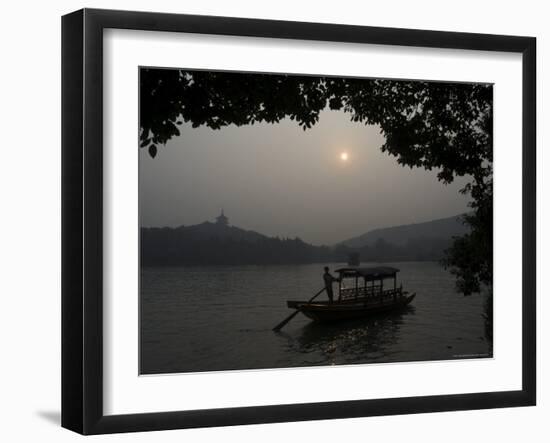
370	338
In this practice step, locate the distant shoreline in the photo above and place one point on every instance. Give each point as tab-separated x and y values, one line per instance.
219	243
342	264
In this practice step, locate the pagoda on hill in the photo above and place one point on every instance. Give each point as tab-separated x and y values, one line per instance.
222	219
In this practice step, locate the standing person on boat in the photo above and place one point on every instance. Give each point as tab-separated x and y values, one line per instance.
329	279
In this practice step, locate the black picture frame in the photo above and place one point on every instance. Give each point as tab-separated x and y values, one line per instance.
82	218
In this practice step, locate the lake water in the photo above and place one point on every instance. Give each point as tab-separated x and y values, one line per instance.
196	319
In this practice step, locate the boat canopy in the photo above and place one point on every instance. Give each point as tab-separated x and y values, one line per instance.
372	273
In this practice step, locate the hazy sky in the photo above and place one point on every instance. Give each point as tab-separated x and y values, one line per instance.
281	180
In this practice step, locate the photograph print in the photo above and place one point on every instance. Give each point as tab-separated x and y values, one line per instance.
303	220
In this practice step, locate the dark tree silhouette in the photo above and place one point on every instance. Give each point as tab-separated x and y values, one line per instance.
433	125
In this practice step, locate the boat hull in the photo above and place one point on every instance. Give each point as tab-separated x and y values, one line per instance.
349	310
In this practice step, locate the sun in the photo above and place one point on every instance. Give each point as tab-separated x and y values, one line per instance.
344	156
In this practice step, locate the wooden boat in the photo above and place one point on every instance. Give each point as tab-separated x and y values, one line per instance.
365	295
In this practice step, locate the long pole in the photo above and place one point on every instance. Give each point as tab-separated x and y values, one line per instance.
291	316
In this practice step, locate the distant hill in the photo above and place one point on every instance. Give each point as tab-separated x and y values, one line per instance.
220	244
444	228
207	230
